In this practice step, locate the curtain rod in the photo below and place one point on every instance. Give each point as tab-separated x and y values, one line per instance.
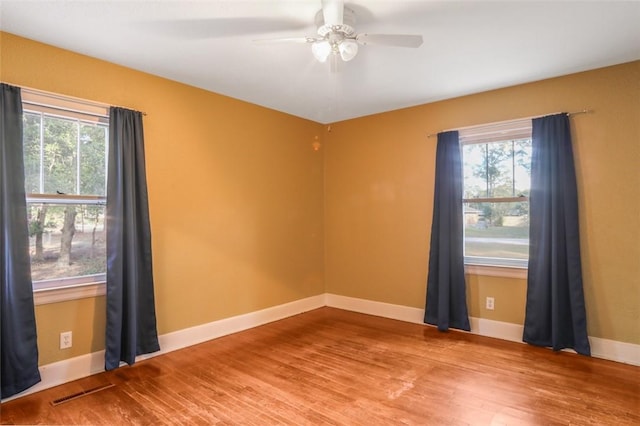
73	98
569	114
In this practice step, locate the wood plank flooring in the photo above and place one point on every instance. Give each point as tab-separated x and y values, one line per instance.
330	366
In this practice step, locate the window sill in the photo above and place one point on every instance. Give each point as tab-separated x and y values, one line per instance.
496	271
63	294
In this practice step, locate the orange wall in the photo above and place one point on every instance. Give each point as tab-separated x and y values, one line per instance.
245	215
379	190
235	191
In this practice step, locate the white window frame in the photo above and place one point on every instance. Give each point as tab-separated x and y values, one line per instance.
53	105
483	134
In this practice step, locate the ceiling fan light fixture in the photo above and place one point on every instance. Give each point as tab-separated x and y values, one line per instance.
337	36
321	50
348	49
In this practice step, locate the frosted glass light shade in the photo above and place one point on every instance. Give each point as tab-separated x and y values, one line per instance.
321	50
348	49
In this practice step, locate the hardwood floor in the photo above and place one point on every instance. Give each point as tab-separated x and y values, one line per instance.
335	367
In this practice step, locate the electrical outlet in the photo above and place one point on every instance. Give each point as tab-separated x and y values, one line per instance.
66	340
490	303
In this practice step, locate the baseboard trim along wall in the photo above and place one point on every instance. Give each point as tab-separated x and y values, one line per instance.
612	350
57	373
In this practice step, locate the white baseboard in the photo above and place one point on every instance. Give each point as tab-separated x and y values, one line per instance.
68	370
627	353
379	309
613	350
201	333
60	372
498	329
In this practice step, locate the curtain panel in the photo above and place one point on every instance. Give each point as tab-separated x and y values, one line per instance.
555	311
131	318
446	304
18	339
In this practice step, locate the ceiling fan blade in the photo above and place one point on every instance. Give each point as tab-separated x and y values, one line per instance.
332	10
398	40
203	28
287	40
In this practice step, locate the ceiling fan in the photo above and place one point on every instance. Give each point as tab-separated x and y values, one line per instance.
338	38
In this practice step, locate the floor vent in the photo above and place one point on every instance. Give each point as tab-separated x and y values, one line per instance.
80	394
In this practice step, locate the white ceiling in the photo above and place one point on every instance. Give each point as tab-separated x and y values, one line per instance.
469	46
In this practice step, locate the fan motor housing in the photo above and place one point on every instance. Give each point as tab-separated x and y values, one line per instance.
348	19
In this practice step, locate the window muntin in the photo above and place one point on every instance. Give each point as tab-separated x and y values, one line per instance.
497	179
65	156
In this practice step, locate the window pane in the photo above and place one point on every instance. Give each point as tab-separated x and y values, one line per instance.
496	230
522	166
497	169
66	240
31	137
93	144
60	155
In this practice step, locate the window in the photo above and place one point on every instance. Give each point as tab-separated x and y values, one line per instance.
65	156
497	175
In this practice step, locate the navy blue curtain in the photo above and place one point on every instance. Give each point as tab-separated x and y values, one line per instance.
131	316
555	312
18	340
446	305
